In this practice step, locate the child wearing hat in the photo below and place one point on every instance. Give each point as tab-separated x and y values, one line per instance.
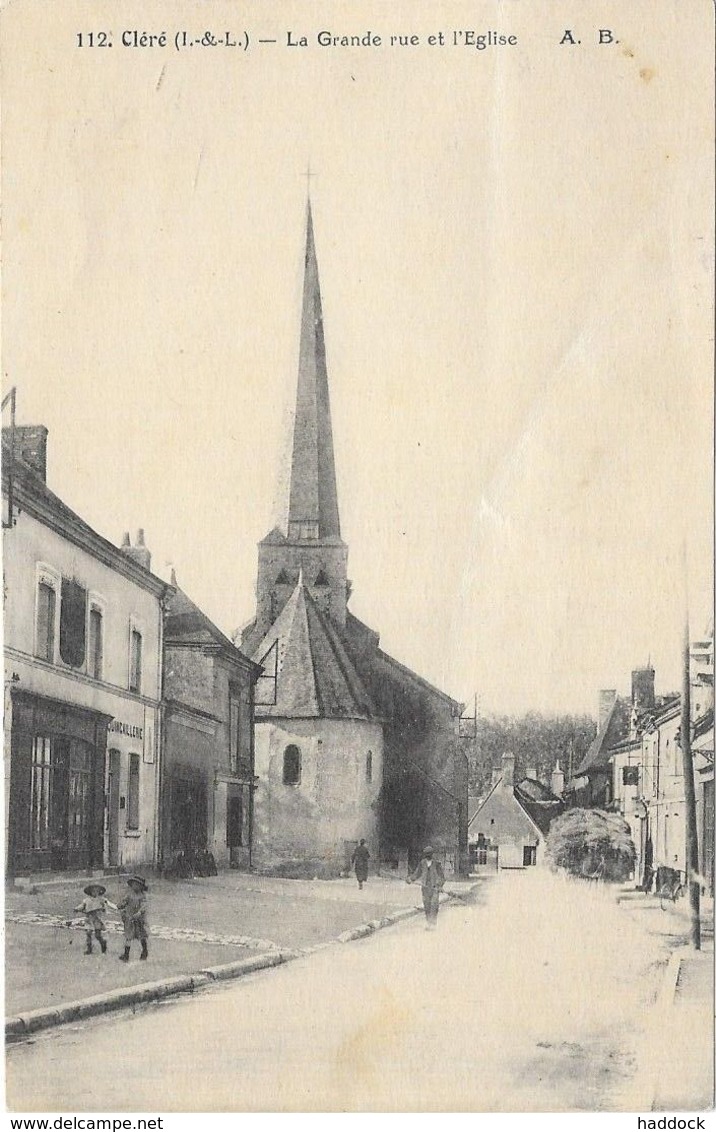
133	910
94	907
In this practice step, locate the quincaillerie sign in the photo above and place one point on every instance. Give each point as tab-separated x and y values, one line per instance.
131	730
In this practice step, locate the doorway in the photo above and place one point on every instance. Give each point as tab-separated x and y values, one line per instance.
61	809
188	816
113	807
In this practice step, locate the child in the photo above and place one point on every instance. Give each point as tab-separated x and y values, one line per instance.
94	907
133	910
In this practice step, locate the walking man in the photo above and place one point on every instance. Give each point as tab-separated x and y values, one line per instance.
432	878
359	861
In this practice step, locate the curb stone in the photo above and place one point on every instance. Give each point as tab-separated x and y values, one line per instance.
32	1021
652	1041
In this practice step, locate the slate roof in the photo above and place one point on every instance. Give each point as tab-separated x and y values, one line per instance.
312	492
315	678
507	808
185	622
538	801
30	488
614	729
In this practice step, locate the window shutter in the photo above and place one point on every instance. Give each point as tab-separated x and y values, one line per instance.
73	623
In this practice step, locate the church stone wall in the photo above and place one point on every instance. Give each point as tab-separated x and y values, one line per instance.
313	826
420	751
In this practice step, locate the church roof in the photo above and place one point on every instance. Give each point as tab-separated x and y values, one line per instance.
313	497
307	671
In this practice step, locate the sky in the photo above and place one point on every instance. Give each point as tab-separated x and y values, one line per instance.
515	249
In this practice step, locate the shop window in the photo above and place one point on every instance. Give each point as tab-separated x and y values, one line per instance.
96	643
133	793
369	767
73	623
135	661
291	766
40	830
46	601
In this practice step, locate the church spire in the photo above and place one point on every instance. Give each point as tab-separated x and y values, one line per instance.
312	497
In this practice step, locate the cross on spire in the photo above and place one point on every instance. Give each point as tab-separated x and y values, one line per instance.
309	174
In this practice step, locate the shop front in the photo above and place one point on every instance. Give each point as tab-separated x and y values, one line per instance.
56	810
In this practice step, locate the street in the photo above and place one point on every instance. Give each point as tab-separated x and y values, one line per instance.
536	998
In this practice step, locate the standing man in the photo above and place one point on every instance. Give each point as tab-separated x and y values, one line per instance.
359	861
432	878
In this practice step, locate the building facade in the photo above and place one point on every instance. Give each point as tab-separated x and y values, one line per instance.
83	649
208	746
635	767
349	743
509	826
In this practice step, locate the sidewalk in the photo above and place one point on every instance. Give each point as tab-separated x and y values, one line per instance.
194	925
678	1053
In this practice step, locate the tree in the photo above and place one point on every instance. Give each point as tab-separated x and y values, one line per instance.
537	742
591	843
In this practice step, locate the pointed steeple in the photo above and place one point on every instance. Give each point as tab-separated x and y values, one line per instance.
307	534
312	497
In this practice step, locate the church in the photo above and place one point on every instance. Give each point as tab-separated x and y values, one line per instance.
349	743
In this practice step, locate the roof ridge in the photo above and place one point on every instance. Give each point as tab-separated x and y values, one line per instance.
347	668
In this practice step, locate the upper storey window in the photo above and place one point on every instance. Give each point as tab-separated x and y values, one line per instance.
96	642
46	606
135	661
73	623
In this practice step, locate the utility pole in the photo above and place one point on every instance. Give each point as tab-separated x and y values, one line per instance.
692	842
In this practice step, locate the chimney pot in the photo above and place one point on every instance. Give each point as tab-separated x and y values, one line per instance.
139	553
508	770
607	699
557	780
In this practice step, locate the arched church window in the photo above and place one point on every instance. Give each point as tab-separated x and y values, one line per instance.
291	765
369	767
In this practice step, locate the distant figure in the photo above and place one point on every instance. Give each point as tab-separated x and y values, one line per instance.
359	860
133	910
432	878
94	907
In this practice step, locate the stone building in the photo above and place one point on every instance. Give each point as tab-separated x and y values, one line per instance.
510	825
208	750
635	767
349	743
83	625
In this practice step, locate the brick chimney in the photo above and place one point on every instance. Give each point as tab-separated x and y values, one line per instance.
607	699
642	688
557	780
138	553
508	771
30	446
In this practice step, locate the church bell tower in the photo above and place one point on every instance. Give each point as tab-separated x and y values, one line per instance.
307	539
